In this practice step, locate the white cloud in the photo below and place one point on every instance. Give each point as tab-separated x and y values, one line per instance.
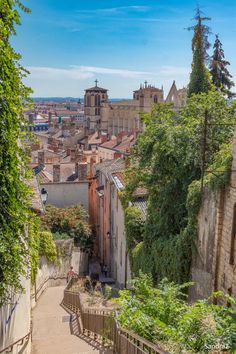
72	80
81	72
43	72
174	71
109	71
116	9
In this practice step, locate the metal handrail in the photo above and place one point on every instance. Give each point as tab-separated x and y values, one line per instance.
132	338
21	341
35	293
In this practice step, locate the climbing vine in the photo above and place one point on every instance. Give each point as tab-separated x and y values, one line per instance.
41	243
14	196
168	156
133	226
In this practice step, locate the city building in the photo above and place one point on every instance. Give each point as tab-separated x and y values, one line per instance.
124	116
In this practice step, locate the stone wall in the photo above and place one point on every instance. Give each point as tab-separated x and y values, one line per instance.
202	271
15	321
214	263
67	194
54	274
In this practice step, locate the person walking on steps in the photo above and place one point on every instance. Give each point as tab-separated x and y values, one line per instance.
71	274
105	270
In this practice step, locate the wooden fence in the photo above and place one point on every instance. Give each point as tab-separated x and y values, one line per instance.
101	325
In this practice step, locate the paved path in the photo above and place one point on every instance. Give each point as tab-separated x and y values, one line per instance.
52	328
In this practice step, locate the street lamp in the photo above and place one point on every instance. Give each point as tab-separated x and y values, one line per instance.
44	195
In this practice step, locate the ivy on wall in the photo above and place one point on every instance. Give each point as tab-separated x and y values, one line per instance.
14	196
168	156
41	243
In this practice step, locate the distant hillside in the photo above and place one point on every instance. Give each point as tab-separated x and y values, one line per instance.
56	99
67	99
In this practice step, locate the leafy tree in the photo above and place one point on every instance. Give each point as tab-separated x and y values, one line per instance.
71	222
14	196
199	77
169	155
162	315
221	77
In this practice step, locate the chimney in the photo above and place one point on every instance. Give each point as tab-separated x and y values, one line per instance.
119	138
76	169
50	140
79	156
60	145
72	155
82	172
56	173
41	157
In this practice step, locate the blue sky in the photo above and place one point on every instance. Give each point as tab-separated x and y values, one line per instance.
68	44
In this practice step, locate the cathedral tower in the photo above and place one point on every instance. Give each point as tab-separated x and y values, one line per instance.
147	95
93	99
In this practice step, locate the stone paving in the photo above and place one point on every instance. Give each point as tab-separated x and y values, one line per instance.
53	328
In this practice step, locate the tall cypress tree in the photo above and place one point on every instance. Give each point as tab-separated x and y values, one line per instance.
221	77
199	77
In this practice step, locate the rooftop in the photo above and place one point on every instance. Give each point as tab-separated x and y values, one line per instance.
96	88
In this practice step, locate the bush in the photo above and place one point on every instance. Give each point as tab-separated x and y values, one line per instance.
162	314
67	223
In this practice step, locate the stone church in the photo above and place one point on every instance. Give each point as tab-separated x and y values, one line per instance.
116	117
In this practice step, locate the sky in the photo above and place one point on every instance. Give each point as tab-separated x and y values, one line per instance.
67	45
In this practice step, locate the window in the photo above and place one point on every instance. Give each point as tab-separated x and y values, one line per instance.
155	99
88	101
121	246
233	236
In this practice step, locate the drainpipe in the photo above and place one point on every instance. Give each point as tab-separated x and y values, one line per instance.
35	291
220	216
126	266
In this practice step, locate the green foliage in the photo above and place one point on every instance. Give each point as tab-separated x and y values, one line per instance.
199	78
220	167
40	244
34	246
60	236
162	315
69	222
14	196
221	77
107	292
47	246
133	226
169	156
